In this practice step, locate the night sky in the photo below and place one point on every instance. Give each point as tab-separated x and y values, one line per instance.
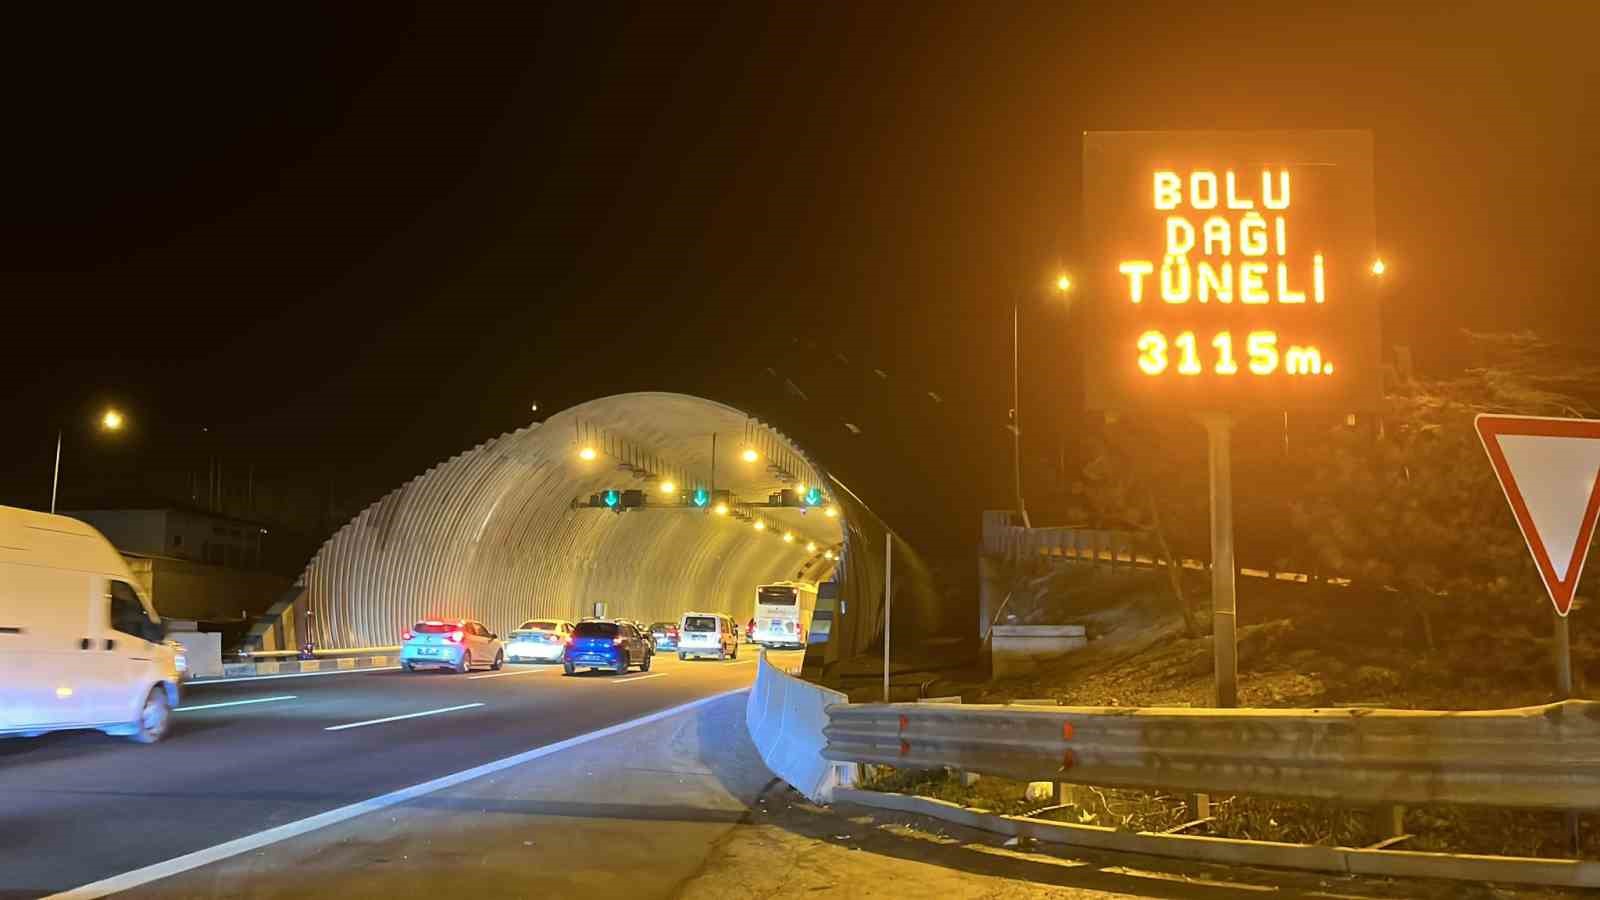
350	243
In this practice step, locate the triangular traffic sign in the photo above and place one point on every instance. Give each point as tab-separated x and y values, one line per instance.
1549	470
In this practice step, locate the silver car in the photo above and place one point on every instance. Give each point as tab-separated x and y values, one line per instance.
458	646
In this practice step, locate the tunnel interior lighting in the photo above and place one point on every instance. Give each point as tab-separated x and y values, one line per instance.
668	487
720	509
1063	283
761	525
111	421
788	537
831	512
827	554
587	454
1378	267
750	455
811	546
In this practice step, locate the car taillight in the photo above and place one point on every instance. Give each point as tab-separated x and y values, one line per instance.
455	637
405	636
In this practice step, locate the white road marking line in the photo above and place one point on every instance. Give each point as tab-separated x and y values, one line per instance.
517	672
415	715
197	684
632	678
235	703
737	662
127	881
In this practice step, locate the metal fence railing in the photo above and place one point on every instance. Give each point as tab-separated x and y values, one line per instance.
1533	757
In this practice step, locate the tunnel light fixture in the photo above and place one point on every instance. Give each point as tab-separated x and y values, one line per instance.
831	512
750	455
761	524
668	487
811	546
827	554
720	509
788	537
587	454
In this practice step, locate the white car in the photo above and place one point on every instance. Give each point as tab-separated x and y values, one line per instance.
539	640
458	646
80	644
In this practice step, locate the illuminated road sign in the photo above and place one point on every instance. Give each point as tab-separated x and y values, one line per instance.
1231	271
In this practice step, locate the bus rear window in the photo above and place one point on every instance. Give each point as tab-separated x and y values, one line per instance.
777	597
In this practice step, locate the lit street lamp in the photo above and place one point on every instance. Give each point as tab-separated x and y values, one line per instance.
110	420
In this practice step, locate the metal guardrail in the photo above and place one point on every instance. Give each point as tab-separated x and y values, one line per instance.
1118	550
319	654
1534	757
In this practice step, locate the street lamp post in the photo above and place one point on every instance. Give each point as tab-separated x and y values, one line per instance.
1062	285
110	420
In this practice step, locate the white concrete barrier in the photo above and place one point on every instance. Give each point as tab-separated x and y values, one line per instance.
202	651
785	716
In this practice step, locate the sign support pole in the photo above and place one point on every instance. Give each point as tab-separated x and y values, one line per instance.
1563	659
1224	619
888	605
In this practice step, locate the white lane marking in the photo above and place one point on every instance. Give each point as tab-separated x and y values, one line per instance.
199	684
737	662
415	715
509	674
235	703
127	881
632	678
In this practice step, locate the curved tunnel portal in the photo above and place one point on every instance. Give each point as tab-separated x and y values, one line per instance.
504	532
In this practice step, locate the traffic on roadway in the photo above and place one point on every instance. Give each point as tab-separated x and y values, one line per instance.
242	756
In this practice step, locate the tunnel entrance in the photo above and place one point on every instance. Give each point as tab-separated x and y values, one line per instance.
653	504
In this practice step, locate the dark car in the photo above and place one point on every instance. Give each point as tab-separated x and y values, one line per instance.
602	644
665	634
643	631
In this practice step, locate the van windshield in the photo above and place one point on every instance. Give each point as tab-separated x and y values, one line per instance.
700	624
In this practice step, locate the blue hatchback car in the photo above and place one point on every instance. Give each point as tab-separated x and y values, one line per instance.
606	644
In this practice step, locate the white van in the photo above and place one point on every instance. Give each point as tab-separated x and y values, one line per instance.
80	645
708	634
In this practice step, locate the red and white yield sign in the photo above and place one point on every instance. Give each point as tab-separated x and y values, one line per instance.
1550	472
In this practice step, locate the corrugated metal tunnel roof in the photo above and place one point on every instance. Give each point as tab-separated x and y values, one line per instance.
492	534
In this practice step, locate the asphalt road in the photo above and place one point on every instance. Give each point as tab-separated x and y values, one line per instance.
246	756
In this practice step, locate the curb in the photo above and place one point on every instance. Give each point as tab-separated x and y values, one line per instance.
1238	851
294	666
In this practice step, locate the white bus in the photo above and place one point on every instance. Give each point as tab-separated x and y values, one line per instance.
783	613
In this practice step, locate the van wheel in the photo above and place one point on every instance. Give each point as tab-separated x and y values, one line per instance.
466	663
154	717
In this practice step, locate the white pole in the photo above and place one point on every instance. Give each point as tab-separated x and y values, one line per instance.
888	607
55	480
